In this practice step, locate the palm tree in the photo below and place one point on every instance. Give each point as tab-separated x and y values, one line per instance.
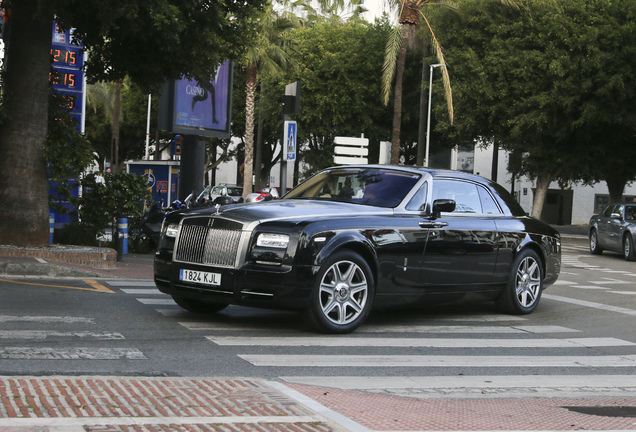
410	17
108	96
268	54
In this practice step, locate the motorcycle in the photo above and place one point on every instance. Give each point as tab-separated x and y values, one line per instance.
145	238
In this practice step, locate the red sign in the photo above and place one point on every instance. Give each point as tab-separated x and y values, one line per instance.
162	186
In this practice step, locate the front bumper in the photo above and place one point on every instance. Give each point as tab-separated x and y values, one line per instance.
259	286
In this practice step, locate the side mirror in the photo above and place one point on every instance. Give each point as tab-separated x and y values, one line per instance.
615	216
443	205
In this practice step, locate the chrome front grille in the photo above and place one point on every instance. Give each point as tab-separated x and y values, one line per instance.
198	244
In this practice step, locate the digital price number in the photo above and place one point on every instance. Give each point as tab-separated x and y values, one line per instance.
64	56
65	80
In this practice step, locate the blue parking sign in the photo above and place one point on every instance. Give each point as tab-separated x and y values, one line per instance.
289	141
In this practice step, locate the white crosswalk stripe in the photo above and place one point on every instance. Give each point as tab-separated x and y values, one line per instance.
57	337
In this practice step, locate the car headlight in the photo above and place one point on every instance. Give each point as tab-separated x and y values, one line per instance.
172	230
279	241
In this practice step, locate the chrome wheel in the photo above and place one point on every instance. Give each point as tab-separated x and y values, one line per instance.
343	292
528	282
525	283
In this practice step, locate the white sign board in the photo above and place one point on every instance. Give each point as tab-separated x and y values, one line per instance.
350	150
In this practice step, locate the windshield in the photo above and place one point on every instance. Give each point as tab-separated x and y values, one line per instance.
369	186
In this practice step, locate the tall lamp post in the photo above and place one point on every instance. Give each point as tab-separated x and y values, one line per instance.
428	122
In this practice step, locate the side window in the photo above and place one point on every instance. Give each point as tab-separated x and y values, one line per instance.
487	202
464	194
608	211
418	202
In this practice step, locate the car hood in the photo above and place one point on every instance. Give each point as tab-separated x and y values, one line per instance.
290	209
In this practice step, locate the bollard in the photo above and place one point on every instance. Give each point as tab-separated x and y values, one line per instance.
51	227
122	236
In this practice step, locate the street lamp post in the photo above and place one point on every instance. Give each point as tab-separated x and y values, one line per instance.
428	122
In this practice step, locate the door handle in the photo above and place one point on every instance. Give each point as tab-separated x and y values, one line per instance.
433	224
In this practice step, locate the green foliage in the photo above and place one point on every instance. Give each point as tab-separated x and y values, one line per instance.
108	196
154	40
555	84
67	152
340	70
132	127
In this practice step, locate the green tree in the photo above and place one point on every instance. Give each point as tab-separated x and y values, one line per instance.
269	53
410	17
338	66
141	39
553	85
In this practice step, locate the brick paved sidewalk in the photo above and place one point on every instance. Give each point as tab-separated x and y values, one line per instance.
116	404
381	412
111	404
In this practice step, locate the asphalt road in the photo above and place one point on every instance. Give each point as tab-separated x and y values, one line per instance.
580	340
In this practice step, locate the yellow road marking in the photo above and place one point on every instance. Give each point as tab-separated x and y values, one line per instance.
95	286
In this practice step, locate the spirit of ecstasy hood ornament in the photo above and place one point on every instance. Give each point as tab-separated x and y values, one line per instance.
217	207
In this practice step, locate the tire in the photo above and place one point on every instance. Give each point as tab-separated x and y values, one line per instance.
523	291
628	248
342	295
198	306
594	247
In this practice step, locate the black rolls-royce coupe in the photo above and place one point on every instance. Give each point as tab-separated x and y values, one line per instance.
353	238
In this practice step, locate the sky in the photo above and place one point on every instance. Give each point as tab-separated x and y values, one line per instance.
375	7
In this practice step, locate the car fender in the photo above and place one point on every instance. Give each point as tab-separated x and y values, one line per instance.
351	240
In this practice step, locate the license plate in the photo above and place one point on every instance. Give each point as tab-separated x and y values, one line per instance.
205	278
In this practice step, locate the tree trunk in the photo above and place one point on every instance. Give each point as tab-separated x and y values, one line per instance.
23	179
258	151
616	187
543	183
397	98
249	131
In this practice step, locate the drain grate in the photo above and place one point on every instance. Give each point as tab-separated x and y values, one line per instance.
605	411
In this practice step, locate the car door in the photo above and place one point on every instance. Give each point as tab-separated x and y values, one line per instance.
461	247
615	227
603	225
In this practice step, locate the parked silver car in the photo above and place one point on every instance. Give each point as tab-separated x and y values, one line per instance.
614	229
220	194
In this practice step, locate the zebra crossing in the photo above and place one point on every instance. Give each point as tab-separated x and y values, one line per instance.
448	354
430	357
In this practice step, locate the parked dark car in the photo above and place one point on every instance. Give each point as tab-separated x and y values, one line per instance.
614	229
353	238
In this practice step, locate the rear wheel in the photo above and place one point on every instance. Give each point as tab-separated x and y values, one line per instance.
594	247
342	295
523	292
628	248
198	306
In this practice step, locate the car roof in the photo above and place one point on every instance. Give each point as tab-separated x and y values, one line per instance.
435	172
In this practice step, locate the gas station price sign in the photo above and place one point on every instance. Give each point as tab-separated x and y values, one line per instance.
67	77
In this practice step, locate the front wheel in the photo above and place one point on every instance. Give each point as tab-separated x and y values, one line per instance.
594	247
342	295
628	248
523	291
198	306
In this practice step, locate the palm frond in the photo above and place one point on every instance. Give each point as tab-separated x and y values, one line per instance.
448	92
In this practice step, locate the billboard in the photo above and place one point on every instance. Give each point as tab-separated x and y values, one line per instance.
191	107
